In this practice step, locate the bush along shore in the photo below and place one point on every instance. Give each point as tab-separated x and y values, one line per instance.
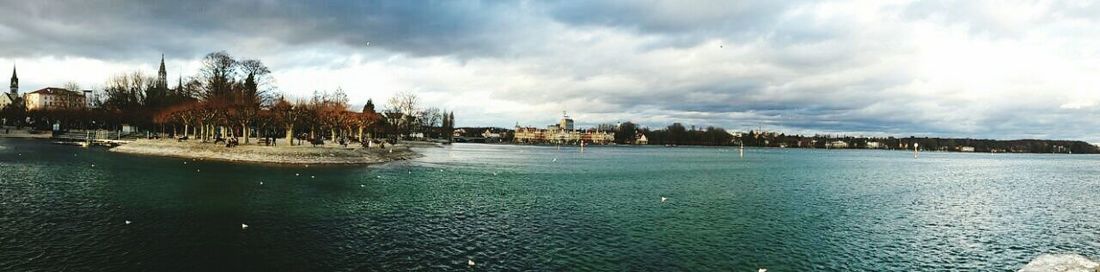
280	154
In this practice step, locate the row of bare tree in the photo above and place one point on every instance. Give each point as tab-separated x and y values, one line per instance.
232	97
326	115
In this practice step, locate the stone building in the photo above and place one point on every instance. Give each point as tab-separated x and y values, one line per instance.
562	133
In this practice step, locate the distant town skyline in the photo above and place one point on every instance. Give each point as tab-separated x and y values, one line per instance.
980	69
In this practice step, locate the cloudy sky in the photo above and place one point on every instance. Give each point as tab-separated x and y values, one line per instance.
1003	69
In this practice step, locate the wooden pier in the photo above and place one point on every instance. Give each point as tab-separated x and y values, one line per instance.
90	138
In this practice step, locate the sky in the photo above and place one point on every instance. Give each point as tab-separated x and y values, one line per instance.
984	69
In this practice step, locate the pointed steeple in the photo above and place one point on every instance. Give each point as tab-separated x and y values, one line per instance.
14	81
162	75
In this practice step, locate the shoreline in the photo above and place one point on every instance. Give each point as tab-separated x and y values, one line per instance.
734	147
283	155
23	134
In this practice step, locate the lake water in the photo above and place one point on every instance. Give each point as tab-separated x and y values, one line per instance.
543	208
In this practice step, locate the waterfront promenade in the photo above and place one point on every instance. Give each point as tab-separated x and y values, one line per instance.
281	154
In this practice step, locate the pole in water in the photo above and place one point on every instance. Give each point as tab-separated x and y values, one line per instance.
915	152
742	150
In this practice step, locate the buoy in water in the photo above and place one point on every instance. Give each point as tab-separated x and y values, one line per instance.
244	226
128	222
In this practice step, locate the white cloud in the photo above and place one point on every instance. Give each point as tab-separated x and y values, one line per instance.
967	68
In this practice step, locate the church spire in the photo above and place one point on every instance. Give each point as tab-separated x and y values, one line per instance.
14	80
162	75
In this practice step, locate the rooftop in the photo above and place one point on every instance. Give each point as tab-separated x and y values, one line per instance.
55	91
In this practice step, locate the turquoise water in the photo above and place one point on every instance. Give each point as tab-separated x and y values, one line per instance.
540	208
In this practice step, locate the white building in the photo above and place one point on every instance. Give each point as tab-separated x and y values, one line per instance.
837	144
53	98
6	100
562	133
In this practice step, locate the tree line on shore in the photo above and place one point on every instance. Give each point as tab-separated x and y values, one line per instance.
922	143
678	134
231	97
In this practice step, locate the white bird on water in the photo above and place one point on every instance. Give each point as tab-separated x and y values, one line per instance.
663	199
244	226
762	270
128	222
261	183
555	159
470	262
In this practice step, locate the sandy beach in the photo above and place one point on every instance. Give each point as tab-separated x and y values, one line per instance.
282	154
12	132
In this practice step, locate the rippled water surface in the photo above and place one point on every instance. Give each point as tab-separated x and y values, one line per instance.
544	208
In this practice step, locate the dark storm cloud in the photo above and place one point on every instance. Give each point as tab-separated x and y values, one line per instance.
122	29
730	19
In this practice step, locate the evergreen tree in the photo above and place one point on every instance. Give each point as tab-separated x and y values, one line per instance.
450	126
369	107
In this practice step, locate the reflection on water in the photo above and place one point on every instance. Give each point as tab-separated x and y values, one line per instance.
545	208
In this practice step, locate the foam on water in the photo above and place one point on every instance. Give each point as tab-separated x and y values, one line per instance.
1061	263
